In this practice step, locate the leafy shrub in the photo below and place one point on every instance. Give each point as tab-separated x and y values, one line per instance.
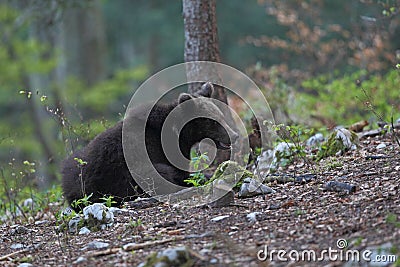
344	100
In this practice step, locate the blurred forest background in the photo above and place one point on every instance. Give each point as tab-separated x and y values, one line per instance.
69	67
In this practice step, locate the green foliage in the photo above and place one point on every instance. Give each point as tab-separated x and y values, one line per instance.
346	99
82	202
80	162
135	223
103	96
293	136
391	218
198	163
19	203
108	201
335	143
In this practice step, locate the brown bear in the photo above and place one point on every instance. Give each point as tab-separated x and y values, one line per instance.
104	171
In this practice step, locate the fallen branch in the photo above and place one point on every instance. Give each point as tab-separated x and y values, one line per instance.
136	246
8	256
103	252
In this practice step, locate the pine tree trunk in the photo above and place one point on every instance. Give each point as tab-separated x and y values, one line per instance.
201	41
201	44
85	47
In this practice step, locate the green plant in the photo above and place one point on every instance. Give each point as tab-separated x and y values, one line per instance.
82	202
81	162
333	163
358	241
391	218
299	212
345	99
293	136
198	163
108	201
135	223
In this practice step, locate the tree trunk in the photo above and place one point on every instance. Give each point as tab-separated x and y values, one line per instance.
201	41
201	44
85	47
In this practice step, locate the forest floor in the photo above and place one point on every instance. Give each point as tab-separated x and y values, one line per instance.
297	219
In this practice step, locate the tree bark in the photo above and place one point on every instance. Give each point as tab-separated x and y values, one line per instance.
201	42
85	47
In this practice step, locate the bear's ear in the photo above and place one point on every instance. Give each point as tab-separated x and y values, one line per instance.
184	97
206	90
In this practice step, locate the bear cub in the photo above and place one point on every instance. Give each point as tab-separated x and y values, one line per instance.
105	172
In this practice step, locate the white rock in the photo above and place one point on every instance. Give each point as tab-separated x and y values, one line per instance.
252	216
100	212
219	218
172	253
271	158
73	224
117	211
284	147
84	231
28	203
251	187
345	136
80	260
96	245
67	211
315	140
17	246
214	261
381	146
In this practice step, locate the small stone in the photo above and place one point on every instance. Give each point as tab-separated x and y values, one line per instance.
17	246
67	211
178	256
219	218
381	146
315	140
98	216
73	224
98	211
252	217
96	245
305	178
214	261
41	222
339	187
80	260
28	203
84	231
18	230
172	253
339	141
252	187
117	211
25	264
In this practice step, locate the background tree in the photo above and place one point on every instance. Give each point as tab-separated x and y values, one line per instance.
201	40
201	44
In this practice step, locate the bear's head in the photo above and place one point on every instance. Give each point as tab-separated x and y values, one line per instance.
204	118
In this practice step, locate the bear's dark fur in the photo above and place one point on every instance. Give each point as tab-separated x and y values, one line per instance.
105	171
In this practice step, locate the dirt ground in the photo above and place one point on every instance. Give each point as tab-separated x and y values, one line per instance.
297	218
